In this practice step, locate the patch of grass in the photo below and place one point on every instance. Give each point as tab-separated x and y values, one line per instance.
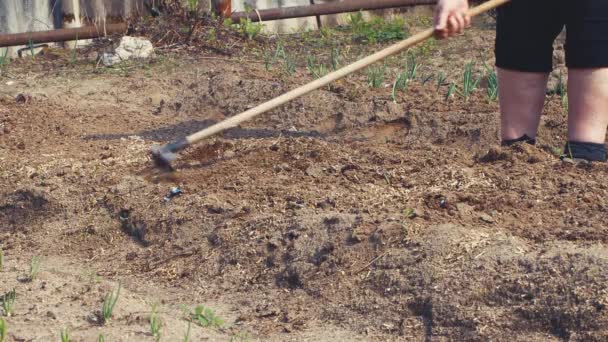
8	302
65	335
375	75
245	26
34	268
109	303
155	324
2	330
206	317
377	30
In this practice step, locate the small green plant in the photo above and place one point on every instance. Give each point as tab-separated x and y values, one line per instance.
205	317
34	268
440	80
290	65
4	59
212	36
399	84
451	91
469	83
101	338
65	335
411	66
8	302
109	303
30	46
557	151
426	47
315	70
560	90
2	330
155	324
375	75
409	74
73	52
409	213
268	61
492	88
187	336
335	58
192	5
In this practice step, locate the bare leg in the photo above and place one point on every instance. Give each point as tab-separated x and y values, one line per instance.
588	105
522	96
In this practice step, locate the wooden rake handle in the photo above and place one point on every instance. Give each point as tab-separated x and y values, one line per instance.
323	81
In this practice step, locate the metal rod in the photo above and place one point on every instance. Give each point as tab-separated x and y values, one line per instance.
61	35
325	9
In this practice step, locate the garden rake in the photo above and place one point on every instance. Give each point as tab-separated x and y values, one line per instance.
164	155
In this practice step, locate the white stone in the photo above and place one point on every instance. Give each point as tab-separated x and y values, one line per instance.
129	48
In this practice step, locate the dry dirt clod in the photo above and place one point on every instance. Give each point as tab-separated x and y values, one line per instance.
486	218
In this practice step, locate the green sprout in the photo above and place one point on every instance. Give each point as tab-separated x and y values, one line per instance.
109	303
375	75
101	338
492	88
4	59
451	90
34	268
335	58
469	84
2	330
155	324
8	302
440	80
205	317
187	336
290	65
316	70
65	335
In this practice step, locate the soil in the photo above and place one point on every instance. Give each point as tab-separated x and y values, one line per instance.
343	215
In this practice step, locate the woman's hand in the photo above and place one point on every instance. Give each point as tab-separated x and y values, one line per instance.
451	17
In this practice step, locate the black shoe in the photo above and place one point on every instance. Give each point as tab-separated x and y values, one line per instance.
590	152
525	139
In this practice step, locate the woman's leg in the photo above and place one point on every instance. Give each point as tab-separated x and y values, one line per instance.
588	105
522	96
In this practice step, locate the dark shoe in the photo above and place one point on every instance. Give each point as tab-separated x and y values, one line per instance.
524	139
589	152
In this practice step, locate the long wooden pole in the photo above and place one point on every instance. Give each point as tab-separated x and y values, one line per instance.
323	81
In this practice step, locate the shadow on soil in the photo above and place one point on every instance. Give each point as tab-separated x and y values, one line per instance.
192	126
